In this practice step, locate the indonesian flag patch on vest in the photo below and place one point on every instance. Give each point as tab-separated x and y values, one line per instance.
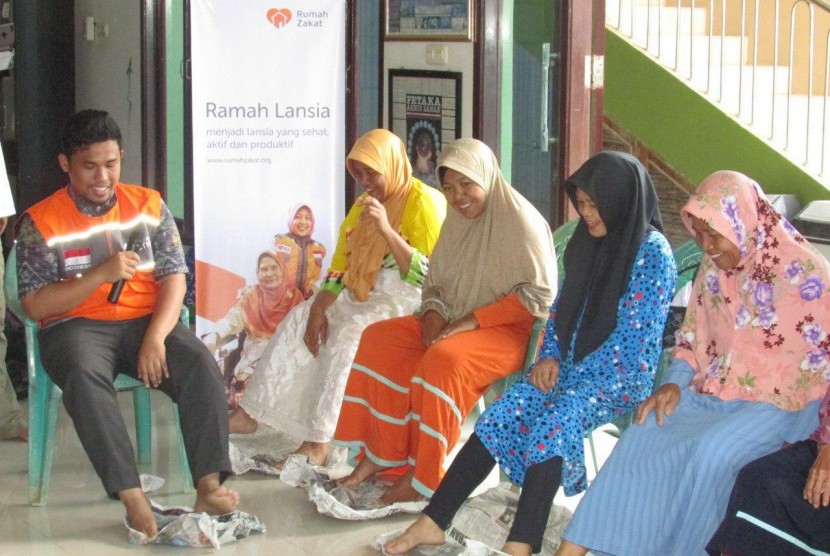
77	259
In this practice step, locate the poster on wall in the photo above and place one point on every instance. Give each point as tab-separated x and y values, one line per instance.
268	113
425	112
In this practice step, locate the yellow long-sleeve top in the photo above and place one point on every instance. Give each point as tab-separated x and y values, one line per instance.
420	225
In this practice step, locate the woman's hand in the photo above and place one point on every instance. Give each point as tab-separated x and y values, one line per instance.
316	330
817	487
544	374
464	324
317	326
662	401
432	324
375	211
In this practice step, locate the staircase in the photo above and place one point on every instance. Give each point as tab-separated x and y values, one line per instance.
766	63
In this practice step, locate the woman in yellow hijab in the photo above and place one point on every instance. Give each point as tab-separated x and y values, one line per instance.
377	270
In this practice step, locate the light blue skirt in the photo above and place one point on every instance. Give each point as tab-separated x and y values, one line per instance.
664	490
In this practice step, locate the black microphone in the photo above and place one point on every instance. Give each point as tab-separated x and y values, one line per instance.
133	244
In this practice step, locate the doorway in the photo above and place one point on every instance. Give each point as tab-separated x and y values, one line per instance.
535	91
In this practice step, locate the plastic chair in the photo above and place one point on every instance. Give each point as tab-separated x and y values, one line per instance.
501	386
561	237
687	258
45	399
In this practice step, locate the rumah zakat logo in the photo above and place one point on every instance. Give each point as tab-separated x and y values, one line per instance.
279	17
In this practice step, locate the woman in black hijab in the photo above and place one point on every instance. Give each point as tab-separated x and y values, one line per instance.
598	358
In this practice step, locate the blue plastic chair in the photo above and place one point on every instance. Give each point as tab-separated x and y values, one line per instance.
45	399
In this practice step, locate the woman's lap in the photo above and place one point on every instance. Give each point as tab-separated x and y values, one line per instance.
664	489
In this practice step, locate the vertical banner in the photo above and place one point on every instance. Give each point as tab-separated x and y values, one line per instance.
268	90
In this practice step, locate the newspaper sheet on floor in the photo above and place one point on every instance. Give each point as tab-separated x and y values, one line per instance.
181	526
264	451
481	526
349	503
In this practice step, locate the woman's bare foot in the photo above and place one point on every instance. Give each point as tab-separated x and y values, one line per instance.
570	549
517	549
23	434
240	422
316	452
139	512
401	491
214	499
365	469
423	531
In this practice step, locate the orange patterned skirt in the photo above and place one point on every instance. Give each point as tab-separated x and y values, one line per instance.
405	404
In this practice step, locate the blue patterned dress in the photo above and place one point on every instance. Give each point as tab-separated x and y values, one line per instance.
527	426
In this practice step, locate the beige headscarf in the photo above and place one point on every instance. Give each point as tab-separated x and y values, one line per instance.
385	153
506	249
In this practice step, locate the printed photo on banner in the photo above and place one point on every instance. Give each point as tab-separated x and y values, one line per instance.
425	112
287	273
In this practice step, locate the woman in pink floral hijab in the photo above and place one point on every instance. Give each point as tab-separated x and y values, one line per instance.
751	365
757	331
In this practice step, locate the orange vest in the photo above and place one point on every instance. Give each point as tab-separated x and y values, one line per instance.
295	260
82	242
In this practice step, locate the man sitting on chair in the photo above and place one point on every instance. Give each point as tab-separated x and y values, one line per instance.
73	249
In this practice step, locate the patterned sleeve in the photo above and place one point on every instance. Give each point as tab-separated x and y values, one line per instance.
420	225
418	268
168	253
550	342
633	348
37	265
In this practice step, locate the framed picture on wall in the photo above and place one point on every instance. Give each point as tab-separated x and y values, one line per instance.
425	112
430	20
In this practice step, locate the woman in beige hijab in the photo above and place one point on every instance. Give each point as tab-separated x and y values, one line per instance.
376	273
415	379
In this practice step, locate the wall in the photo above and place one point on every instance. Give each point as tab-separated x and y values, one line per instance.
44	96
174	22
686	130
412	55
368	50
108	72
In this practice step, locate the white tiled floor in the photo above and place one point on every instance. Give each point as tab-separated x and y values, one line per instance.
79	520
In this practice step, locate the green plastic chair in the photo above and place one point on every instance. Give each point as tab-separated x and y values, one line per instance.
687	258
45	399
561	237
500	387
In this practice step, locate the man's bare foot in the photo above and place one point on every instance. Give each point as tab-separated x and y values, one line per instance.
365	469
139	513
240	422
214	499
423	531
401	491
517	549
316	452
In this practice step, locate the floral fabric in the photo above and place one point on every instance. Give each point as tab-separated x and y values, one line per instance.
758	331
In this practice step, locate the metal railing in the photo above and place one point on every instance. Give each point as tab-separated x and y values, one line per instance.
757	59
